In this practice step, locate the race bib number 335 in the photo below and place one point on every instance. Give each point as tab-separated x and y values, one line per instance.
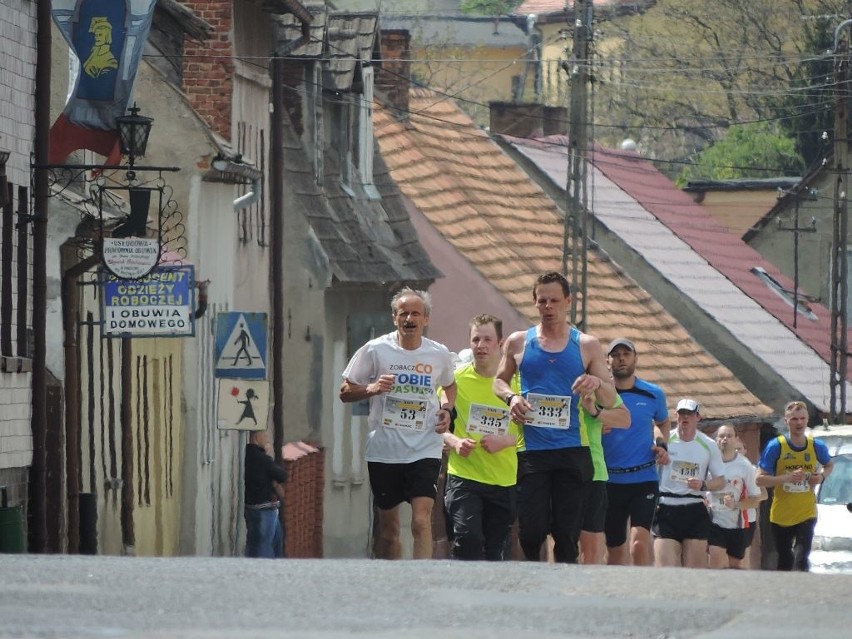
487	420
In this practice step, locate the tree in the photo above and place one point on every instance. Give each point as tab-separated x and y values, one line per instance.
688	70
755	150
494	8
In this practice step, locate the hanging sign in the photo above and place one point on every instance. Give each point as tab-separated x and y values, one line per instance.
130	257
158	305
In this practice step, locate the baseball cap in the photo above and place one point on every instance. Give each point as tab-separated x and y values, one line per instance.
620	341
689	405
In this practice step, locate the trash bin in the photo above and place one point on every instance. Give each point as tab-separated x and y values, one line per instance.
12	537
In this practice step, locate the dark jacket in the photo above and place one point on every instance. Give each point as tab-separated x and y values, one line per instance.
261	471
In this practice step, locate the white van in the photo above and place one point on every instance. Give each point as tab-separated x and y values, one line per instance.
832	547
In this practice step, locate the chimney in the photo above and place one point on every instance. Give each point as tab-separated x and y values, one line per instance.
394	77
208	69
527	120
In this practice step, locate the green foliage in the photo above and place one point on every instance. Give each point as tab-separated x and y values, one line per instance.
489	7
753	150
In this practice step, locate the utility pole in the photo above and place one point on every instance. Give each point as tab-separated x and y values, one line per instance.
839	264
575	233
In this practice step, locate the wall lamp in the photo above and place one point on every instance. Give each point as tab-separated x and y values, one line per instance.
4	187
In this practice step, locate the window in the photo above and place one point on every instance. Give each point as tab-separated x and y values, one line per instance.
803	308
365	134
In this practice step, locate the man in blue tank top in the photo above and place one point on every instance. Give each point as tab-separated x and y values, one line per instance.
558	366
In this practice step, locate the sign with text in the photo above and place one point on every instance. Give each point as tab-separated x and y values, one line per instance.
158	305
130	257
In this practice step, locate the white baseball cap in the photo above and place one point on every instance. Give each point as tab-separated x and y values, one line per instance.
689	405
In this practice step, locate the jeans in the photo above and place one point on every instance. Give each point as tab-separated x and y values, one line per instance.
264	534
793	544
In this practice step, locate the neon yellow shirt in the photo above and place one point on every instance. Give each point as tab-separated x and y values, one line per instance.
590	435
495	469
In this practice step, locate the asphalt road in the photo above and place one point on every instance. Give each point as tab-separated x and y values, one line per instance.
70	596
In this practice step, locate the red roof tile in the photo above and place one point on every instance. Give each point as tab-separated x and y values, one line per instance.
510	231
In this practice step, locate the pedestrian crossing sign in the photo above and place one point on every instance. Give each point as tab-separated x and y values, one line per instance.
241	345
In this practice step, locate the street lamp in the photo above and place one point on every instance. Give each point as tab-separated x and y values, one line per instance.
133	131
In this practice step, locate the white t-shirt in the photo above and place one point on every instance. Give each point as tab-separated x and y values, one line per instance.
402	422
689	460
740	483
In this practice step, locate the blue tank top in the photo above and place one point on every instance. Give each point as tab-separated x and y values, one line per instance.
552	374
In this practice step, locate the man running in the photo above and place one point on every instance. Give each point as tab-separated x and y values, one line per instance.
631	458
400	374
558	365
729	540
682	524
791	465
482	465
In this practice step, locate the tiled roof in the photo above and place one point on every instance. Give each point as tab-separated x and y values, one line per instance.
510	232
542	7
464	30
697	254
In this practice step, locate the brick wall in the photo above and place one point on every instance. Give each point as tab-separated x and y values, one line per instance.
17	130
395	76
208	68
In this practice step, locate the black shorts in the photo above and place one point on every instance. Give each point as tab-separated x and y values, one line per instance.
596	507
733	540
636	502
393	484
749	533
690	521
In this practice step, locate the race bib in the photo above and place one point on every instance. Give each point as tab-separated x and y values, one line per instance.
549	411
718	500
684	471
797	486
487	420
409	414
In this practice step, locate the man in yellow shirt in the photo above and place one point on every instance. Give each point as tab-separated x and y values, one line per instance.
482	466
791	465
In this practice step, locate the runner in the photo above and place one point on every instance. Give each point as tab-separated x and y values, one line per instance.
400	374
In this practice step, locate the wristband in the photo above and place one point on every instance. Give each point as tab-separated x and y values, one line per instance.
509	398
661	444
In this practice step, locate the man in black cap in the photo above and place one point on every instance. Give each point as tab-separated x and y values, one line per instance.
631	456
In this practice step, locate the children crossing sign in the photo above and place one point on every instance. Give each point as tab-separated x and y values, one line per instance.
241	345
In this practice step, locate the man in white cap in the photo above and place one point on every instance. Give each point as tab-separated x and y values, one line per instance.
631	457
682	524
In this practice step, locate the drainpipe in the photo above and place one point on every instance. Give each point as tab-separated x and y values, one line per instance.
41	191
229	167
70	304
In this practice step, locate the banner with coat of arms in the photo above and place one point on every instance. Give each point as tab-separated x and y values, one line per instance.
106	38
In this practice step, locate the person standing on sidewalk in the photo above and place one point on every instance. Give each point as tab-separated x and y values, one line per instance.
264	481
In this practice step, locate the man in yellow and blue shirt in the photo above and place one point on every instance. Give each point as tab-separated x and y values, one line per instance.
794	464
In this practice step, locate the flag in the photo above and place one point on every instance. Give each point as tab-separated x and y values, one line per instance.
106	38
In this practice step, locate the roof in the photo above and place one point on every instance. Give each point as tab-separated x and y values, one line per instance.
695	252
364	240
510	232
556	8
443	31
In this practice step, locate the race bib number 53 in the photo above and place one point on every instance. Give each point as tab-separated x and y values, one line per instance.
404	413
